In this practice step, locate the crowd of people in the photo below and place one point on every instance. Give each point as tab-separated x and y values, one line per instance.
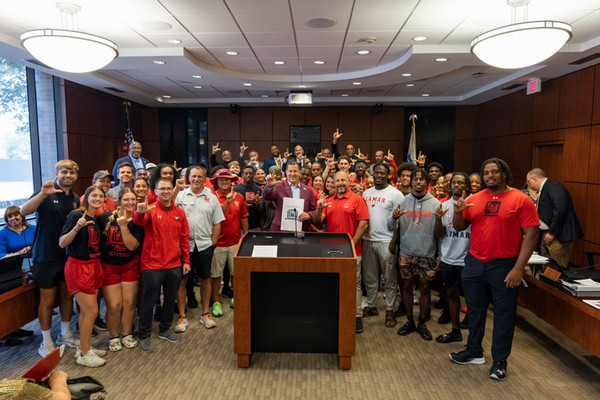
148	229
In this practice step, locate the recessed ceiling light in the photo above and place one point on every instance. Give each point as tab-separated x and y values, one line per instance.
441	59
197	76
406	74
410	84
166	96
301	86
425	95
264	95
247	84
344	94
158	62
357	83
174	41
232	53
363	52
319	62
278	62
419	38
197	87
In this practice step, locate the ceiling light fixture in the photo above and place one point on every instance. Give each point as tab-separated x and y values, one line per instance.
197	76
357	83
232	53
301	86
159	62
174	41
319	62
406	74
419	38
247	84
521	44
278	62
68	49
197	87
425	95
410	84
441	59
344	95
264	95
166	96
363	52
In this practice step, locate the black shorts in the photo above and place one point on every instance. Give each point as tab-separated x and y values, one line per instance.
48	274
201	261
451	274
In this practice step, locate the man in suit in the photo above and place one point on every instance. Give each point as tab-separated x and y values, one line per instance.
559	224
292	187
271	161
134	158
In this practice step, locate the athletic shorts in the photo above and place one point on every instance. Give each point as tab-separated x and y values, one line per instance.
201	262
450	274
83	276
422	267
221	256
128	272
48	274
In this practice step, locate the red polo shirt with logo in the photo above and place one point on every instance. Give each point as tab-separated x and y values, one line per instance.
344	213
231	227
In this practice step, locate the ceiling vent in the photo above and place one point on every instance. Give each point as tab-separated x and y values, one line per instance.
585	59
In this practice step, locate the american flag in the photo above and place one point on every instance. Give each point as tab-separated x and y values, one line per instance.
128	133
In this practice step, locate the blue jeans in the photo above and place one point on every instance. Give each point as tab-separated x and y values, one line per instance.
152	280
482	282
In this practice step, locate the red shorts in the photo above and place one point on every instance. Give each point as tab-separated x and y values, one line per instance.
129	272
83	276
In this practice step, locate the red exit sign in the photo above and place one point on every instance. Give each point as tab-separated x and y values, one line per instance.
534	85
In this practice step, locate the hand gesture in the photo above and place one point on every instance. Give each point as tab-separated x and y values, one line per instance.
270	180
287	153
180	184
304	217
331	162
279	160
216	148
398	212
123	220
81	222
175	166
389	156
48	187
253	158
440	212
421	160
460	205
336	135
143	207
322	201
230	196
257	198
243	148
319	155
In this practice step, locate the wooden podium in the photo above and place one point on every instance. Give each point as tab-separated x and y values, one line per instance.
315	266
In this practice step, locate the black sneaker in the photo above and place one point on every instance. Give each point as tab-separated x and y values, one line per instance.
359	325
99	324
407	328
465	323
422	329
452	336
498	370
444	317
400	311
468	357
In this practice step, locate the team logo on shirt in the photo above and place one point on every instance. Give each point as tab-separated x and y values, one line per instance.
346	205
176	218
115	239
492	208
206	200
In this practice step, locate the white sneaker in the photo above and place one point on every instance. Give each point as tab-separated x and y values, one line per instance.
182	324
115	344
99	352
46	349
91	360
208	321
68	340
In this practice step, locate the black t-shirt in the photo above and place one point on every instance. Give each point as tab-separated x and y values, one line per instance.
51	216
113	251
86	244
249	194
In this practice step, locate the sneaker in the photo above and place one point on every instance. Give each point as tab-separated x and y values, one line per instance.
231	303
129	342
99	352
207	321
444	317
359	325
68	340
216	309
182	324
422	329
400	311
99	324
115	344
169	336
498	370
91	359
146	345
46	349
468	357
452	336
407	328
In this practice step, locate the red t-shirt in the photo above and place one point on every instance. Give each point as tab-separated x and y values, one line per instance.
344	213
231	227
496	222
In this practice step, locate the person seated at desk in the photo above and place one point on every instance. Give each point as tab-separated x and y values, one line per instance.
16	238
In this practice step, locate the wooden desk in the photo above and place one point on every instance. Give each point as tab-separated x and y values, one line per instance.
566	313
18	307
343	266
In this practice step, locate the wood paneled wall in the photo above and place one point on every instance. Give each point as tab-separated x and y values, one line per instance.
94	125
565	113
260	127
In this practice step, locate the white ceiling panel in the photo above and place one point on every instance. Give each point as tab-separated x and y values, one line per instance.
181	7
276	52
389	5
275	22
257	6
320	6
209	23
362	21
300	19
230	40
319	52
320	38
271	39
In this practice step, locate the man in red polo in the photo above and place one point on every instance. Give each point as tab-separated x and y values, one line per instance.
236	216
346	212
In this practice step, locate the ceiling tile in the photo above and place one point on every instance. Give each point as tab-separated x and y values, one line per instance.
275	22
364	21
271	39
231	40
209	23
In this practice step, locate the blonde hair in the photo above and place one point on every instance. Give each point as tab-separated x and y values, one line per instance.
66	164
115	213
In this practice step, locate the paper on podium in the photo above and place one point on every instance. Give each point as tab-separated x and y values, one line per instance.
289	209
537	259
264	251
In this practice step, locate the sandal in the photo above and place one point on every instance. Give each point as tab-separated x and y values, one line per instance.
129	342
115	344
390	320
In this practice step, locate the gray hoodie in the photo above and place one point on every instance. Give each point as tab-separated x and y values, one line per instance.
417	236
